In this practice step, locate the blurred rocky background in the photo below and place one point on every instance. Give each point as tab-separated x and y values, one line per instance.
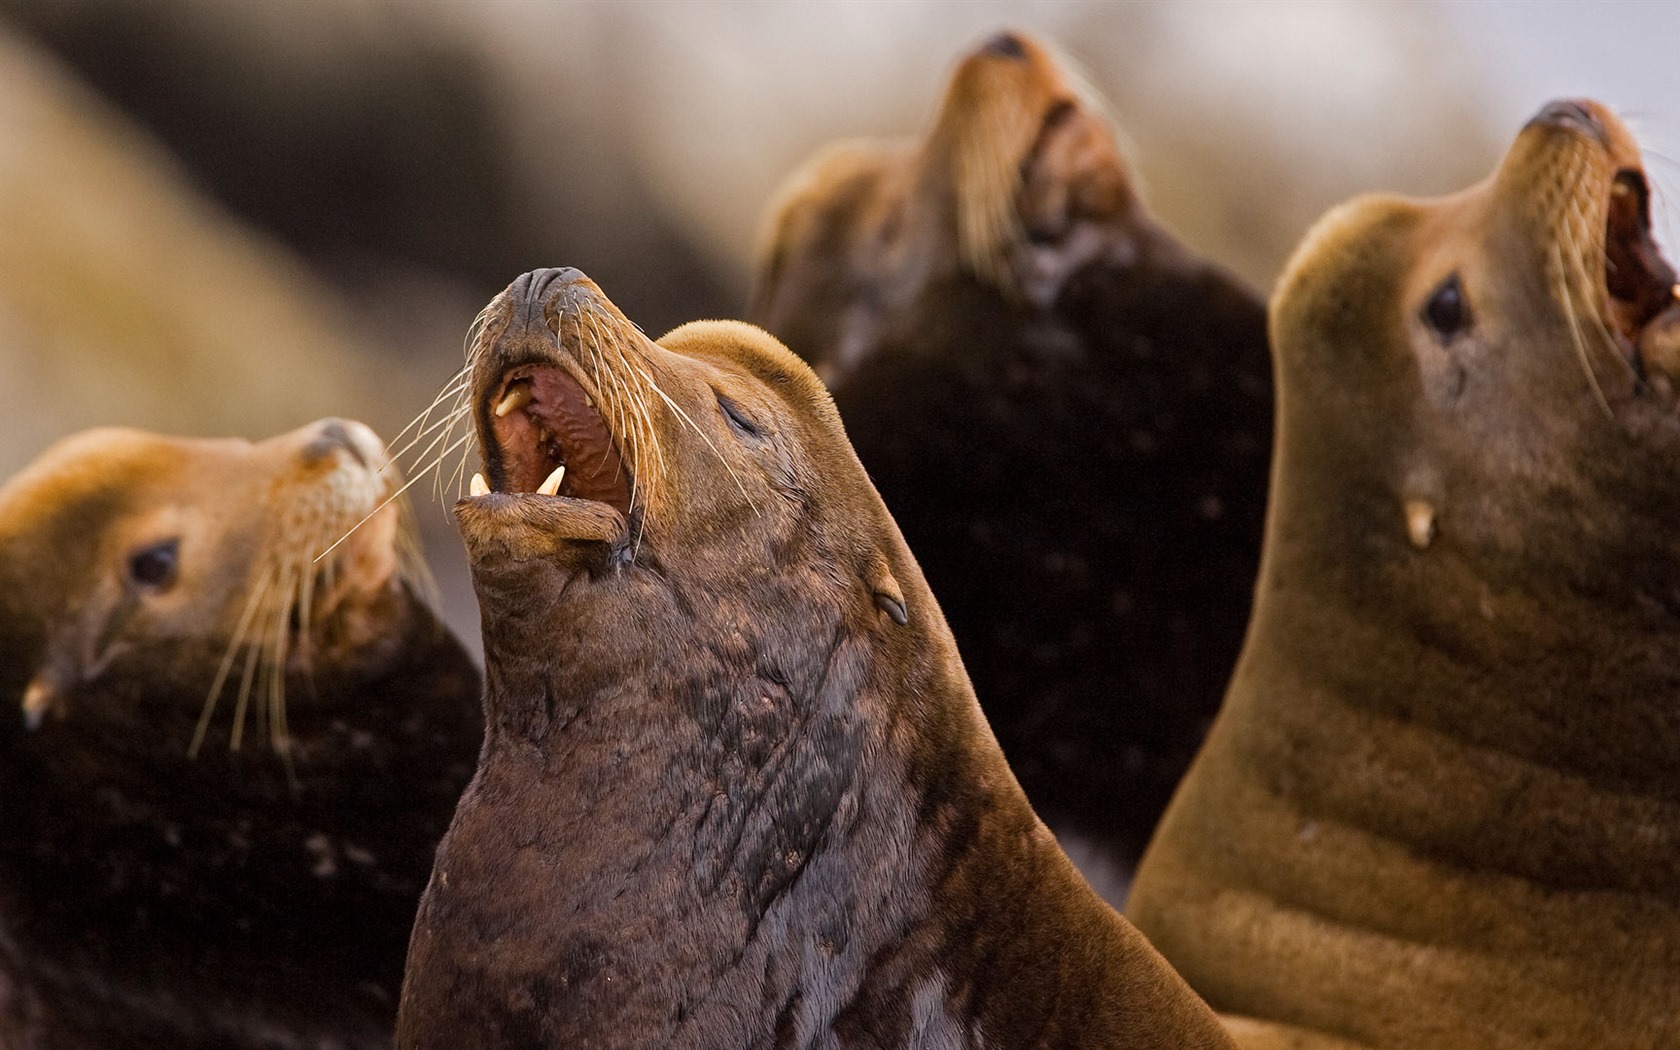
222	217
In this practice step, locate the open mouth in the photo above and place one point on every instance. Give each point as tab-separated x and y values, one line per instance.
1639	282
547	436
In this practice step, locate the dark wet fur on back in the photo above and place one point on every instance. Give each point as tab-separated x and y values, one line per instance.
1079	462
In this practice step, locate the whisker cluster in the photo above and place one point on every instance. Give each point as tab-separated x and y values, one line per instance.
290	585
1576	258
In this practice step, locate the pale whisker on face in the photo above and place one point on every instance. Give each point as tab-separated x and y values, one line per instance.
395	495
235	643
1568	300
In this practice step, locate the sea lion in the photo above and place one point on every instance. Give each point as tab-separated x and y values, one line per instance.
1439	808
1068	413
736	789
165	881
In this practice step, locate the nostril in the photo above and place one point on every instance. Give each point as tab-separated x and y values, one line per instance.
332	437
1005	44
1569	113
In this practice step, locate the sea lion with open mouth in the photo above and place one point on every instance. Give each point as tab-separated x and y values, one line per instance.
1439	807
736	789
1068	413
165	880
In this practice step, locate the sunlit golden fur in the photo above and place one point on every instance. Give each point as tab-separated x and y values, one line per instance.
249	606
1021	148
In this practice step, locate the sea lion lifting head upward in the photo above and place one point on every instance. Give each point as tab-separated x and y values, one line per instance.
736	789
160	598
1068	413
1439	808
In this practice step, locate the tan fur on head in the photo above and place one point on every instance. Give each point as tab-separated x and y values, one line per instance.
997	110
121	544
1021	156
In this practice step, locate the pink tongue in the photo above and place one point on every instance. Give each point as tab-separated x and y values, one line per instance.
579	438
593	467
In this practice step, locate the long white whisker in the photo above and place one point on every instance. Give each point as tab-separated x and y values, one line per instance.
1575	334
393	496
238	638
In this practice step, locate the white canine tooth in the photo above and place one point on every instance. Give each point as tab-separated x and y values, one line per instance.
518	396
478	486
551	487
1675	291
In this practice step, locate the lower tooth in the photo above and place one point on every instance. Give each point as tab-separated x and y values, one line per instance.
551	487
478	486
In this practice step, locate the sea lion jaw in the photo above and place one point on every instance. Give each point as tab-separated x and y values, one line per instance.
551	360
1582	170
666	445
1028	153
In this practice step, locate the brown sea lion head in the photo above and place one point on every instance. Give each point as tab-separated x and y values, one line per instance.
1438	805
1489	374
1019	184
714	449
135	564
729	744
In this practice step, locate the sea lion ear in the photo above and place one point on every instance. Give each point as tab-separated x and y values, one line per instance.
41	696
79	648
888	597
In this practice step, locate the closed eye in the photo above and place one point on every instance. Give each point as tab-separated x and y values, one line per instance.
739	421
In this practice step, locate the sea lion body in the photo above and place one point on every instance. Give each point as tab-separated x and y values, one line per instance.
1066	411
1439	806
736	789
163	882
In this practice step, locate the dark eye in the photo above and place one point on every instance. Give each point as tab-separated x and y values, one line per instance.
154	567
1446	311
738	420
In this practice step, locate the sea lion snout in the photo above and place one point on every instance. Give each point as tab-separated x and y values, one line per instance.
1004	45
530	293
345	435
1581	115
560	380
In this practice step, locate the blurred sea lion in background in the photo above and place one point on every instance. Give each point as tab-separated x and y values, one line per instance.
1439	808
736	789
166	880
1068	413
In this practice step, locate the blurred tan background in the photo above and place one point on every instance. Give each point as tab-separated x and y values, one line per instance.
232	217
